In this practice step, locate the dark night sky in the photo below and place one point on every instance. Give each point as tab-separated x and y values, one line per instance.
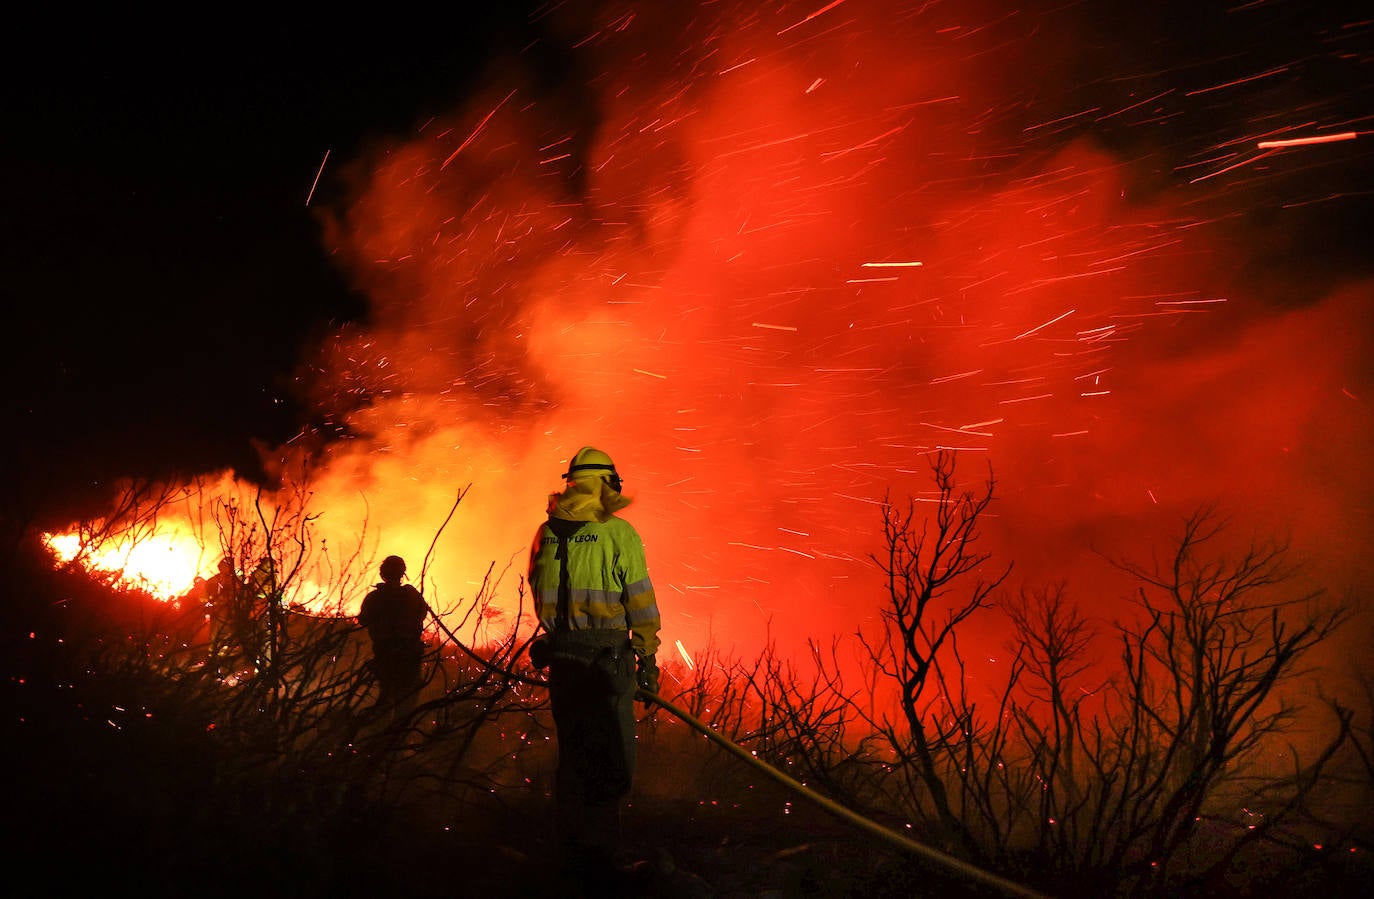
161	268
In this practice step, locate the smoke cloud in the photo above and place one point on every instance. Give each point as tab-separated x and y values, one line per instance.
771	259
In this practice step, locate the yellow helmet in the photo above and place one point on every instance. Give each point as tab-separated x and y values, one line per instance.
592	461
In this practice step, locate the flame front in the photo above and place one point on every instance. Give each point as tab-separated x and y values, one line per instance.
164	564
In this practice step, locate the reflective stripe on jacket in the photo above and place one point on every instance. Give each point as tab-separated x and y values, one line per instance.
608	580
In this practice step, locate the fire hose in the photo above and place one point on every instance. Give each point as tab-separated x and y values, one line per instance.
895	840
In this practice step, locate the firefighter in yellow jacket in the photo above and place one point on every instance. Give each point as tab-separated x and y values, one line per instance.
596	606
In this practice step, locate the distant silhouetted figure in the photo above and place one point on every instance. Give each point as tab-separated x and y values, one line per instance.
394	615
223	609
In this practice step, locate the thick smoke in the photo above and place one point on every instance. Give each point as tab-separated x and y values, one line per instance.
772	260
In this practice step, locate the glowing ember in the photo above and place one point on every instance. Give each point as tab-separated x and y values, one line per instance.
686	657
1308	141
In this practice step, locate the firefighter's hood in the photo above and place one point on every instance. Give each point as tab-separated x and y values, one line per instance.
586	499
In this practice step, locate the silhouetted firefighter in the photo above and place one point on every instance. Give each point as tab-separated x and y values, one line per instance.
591	590
394	615
233	624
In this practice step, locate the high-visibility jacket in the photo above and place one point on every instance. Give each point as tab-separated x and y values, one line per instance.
608	587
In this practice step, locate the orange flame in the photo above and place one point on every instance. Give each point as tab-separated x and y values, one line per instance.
164	564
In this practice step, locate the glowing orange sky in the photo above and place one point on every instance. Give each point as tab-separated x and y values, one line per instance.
716	282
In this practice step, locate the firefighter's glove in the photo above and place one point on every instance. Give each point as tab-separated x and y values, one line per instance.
646	676
540	653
